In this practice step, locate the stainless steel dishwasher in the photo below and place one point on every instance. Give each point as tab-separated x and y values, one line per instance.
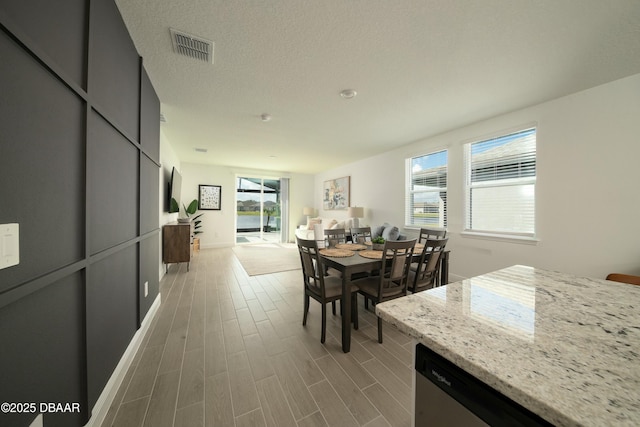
448	396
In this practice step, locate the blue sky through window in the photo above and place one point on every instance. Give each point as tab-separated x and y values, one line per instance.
429	161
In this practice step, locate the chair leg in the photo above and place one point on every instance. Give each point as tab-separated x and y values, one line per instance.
324	323
379	330
354	310
333	308
366	303
306	309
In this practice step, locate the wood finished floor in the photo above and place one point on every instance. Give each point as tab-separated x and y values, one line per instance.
226	349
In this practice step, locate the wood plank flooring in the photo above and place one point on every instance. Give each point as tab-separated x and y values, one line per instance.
227	349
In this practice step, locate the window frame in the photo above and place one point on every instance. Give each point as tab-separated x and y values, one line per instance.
409	191
516	236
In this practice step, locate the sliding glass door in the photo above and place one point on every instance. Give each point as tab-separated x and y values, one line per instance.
258	210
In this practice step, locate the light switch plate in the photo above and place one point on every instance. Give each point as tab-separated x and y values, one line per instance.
9	245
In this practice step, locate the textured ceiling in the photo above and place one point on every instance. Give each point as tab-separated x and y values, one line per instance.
420	67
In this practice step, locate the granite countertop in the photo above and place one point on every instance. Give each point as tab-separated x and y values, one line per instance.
565	347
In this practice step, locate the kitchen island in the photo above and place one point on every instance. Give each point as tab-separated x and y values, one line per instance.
565	347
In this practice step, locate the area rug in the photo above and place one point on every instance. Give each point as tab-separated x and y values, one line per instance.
268	258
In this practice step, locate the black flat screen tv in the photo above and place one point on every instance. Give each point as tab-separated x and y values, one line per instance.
175	185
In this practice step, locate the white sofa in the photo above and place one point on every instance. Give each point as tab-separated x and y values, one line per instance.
307	231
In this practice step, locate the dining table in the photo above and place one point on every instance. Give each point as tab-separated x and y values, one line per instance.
355	262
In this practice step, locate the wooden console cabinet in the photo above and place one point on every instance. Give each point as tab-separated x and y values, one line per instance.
177	243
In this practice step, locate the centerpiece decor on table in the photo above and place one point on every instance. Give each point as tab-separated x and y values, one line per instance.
377	243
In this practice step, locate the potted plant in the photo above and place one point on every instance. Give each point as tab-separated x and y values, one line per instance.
378	243
189	211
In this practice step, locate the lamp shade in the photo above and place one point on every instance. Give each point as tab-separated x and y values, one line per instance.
307	211
356	212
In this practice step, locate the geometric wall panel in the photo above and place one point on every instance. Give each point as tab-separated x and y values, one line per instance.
114	63
43	351
41	166
112	315
58	28
113	186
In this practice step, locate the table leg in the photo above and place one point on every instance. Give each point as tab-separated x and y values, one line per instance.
444	269
345	304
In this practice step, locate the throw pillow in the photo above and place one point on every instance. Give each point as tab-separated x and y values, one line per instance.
377	231
338	225
330	224
391	233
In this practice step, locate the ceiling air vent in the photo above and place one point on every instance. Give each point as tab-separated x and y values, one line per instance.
192	46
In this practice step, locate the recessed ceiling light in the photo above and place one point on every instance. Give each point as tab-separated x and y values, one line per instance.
265	117
201	150
348	93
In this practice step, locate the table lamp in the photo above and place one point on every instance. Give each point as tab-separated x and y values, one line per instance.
356	212
308	212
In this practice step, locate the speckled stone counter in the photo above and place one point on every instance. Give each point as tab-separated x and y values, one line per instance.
565	347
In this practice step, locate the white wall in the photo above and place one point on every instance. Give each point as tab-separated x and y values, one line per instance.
587	196
219	226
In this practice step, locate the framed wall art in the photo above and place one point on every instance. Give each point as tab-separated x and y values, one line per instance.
335	193
209	197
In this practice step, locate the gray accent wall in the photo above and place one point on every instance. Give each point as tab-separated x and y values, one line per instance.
79	172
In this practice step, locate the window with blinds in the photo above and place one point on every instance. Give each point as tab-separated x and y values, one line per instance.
426	195
500	184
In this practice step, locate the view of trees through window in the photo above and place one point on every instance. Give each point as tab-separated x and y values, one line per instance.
258	205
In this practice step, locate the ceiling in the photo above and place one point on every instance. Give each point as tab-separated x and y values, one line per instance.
420	68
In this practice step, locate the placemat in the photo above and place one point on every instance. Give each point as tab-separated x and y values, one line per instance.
371	254
351	246
418	248
336	253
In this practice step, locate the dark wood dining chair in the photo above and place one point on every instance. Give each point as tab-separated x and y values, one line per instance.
624	278
431	233
391	283
361	235
334	236
424	274
324	289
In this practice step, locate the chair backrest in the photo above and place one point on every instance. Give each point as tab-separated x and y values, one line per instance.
398	255
431	233
333	236
312	270
361	234
427	269
624	278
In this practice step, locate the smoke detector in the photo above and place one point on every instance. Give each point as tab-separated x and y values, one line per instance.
192	46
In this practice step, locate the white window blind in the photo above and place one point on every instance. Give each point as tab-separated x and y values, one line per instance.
426	193
500	184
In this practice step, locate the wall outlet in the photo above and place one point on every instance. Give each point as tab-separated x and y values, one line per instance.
146	289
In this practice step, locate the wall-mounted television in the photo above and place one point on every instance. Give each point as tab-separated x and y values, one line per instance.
175	185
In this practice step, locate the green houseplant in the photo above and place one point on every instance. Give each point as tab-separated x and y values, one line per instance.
189	211
378	243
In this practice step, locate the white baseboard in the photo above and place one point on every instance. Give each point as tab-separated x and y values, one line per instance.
99	412
217	245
